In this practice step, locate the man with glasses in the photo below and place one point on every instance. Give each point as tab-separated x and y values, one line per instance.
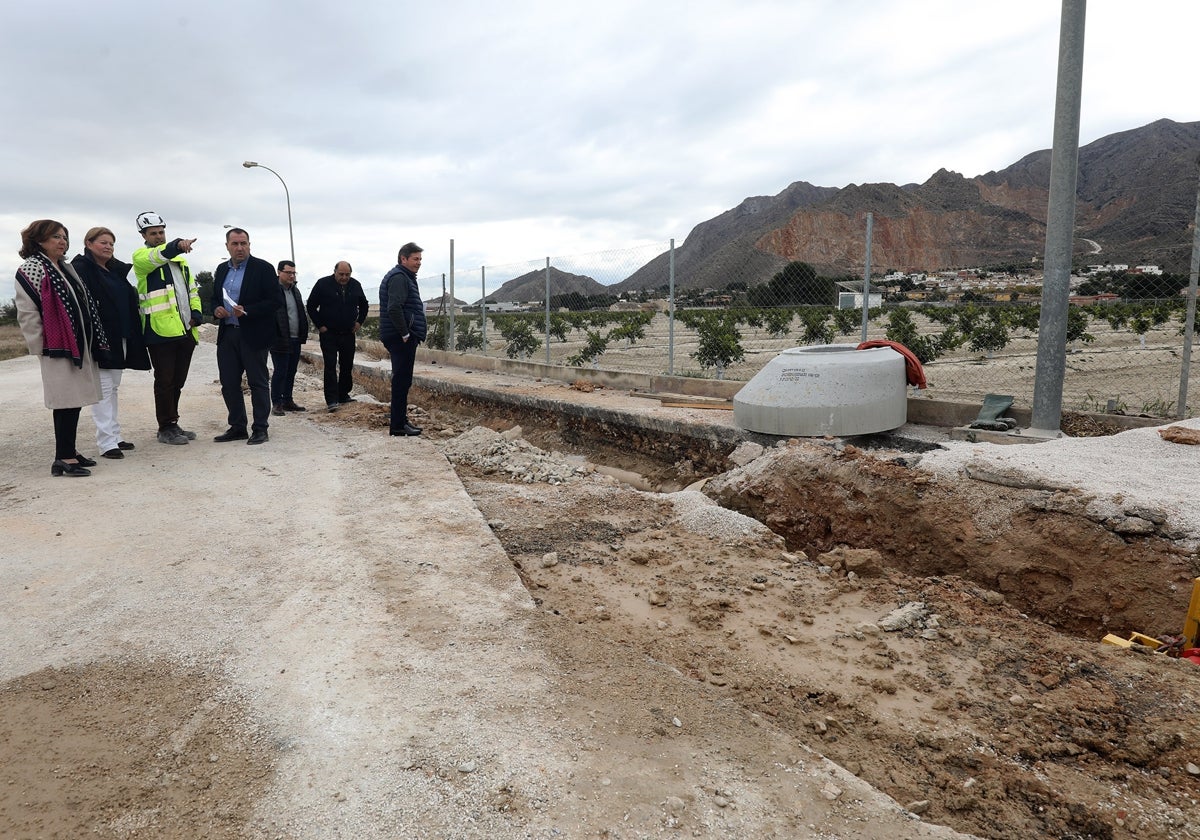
293	332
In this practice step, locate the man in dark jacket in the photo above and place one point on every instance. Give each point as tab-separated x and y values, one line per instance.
292	329
338	307
401	329
246	293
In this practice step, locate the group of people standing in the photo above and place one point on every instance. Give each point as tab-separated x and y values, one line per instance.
86	324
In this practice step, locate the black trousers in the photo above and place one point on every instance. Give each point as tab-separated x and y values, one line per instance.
234	359
66	423
404	356
171	360
337	354
283	378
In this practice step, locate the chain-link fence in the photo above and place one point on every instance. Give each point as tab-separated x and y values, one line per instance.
976	330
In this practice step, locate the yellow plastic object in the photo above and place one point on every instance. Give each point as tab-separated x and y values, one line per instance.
1191	624
1134	639
1191	628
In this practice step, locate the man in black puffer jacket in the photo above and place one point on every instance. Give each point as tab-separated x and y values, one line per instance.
338	307
402	327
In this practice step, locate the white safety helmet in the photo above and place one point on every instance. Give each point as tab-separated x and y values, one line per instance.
149	219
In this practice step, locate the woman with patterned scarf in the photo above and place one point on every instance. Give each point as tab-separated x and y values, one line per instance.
61	327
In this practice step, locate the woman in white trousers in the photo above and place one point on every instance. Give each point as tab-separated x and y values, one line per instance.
116	300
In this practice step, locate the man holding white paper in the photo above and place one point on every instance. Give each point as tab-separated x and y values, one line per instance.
249	293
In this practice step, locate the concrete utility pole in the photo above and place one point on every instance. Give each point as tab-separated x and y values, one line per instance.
866	301
671	311
1189	322
1060	225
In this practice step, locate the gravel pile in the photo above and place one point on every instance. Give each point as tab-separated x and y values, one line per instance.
701	515
496	452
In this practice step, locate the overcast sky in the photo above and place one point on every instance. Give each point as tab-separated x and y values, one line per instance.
526	129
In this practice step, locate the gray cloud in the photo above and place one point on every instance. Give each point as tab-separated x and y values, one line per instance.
531	128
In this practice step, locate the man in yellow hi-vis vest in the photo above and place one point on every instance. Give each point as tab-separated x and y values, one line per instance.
170	306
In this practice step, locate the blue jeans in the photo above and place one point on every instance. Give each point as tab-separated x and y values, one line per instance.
283	378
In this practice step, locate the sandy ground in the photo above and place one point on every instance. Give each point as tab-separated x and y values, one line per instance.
329	637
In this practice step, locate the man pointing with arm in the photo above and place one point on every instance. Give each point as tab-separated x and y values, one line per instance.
169	301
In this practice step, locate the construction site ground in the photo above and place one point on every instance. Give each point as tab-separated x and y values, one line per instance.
570	611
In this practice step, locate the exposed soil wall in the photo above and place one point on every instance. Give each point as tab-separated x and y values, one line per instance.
1038	547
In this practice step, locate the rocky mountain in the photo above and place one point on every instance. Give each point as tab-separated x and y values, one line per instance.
442	303
725	248
1136	199
531	286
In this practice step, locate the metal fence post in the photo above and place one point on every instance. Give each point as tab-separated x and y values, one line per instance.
866	301
547	310
1189	324
450	343
671	311
1060	224
483	306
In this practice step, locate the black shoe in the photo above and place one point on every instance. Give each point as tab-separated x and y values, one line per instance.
407	430
346	399
172	436
184	432
259	436
291	406
64	468
277	410
124	444
84	461
115	454
231	433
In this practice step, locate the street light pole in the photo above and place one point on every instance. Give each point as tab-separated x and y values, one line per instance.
250	164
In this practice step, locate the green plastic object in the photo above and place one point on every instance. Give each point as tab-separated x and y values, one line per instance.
989	417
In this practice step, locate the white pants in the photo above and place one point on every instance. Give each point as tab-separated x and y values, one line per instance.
104	413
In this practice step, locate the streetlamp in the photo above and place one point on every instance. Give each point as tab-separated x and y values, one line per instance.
250	164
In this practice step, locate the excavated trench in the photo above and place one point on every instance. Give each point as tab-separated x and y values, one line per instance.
1040	549
992	723
987	721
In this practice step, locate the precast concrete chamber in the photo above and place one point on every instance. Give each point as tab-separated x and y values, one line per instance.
825	389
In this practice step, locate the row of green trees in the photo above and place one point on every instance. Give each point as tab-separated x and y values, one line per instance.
720	333
798	293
